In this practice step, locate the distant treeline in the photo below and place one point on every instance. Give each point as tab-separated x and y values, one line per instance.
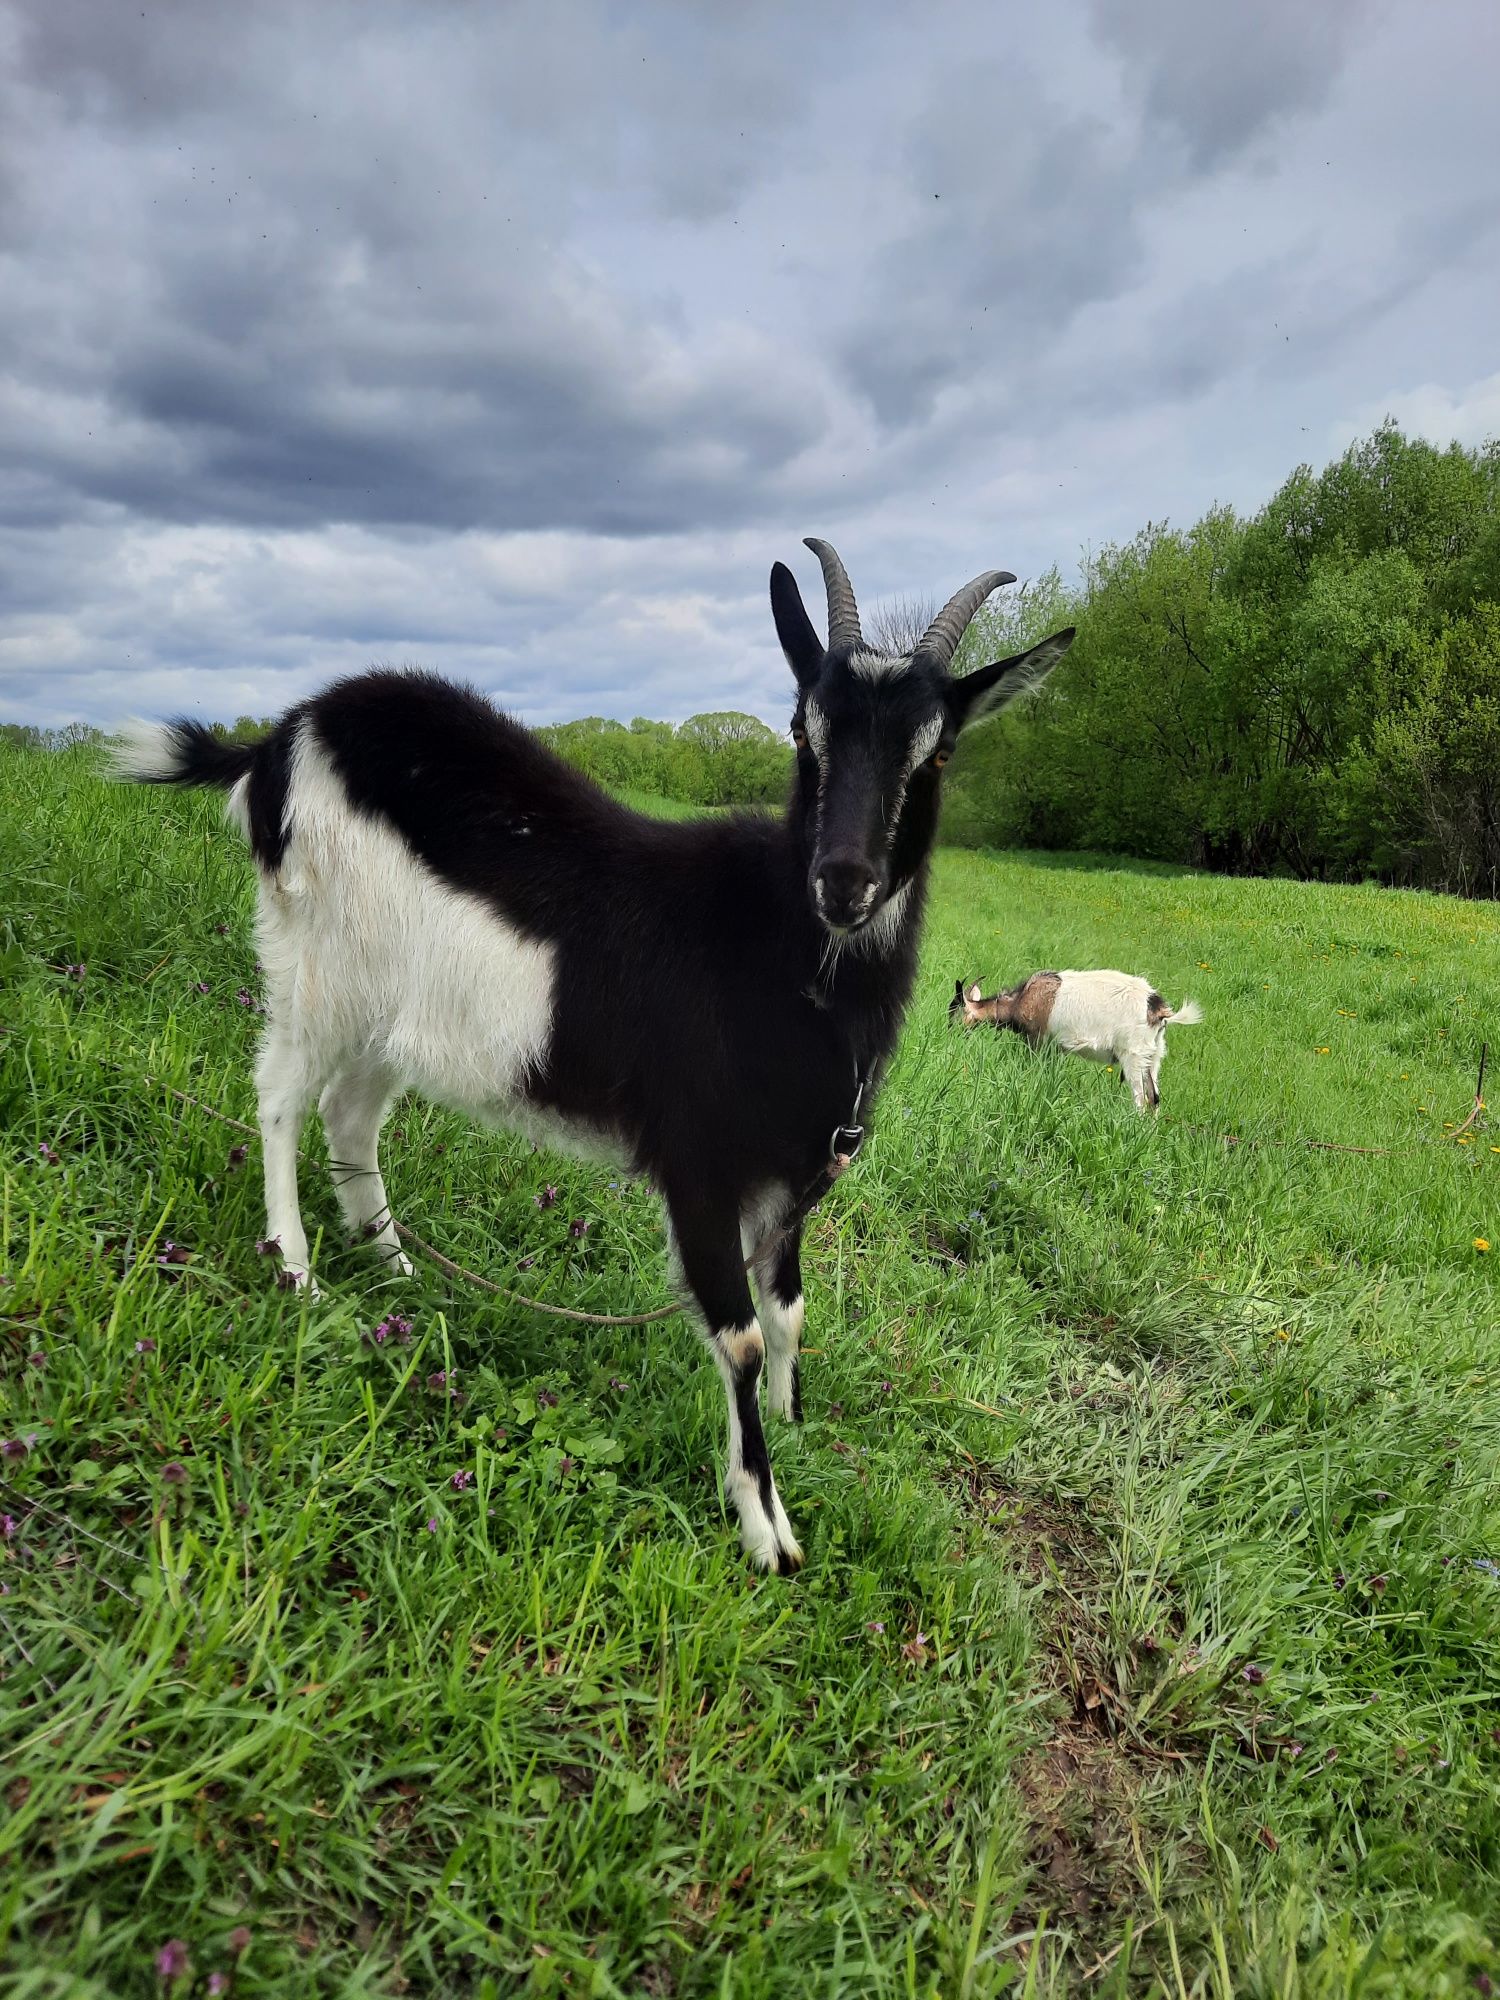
1314	690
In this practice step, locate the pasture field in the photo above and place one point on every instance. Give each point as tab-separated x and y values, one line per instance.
1149	1641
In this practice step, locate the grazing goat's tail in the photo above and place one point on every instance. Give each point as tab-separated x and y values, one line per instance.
179	753
1188	1015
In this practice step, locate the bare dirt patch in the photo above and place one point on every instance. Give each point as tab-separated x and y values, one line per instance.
1086	1782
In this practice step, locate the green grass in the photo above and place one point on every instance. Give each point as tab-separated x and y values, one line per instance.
1179	1456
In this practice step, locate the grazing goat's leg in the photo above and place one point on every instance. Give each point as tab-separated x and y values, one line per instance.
285	1089
353	1109
778	1287
708	1244
1134	1066
1153	1089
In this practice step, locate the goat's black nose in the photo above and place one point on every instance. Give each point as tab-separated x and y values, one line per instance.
844	889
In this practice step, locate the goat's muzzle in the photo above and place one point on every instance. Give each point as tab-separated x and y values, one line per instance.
845	889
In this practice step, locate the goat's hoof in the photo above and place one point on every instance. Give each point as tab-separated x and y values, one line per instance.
774	1550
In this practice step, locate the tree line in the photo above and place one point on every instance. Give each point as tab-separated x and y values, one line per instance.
1312	690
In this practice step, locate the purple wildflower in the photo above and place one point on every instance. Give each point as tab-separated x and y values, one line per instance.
39	1360
566	1467
545	1400
201	986
218	1982
47	1154
394	1327
13	1448
432	1525
239	1940
174	1472
172	1253
461	1481
438	1380
74	971
577	1229
172	1960
237	1156
875	1625
268	1246
145	1347
526	1263
1255	1675
618	1384
245	997
546	1198
221	930
8	1527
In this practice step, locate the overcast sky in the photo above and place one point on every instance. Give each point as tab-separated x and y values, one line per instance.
521	339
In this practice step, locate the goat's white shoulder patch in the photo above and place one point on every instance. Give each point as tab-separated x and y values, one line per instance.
370	951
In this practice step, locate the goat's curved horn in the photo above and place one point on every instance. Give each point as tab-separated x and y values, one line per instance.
940	641
843	613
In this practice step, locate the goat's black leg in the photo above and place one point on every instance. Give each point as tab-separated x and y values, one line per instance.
707	1235
778	1287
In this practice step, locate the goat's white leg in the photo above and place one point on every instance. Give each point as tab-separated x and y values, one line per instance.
708	1245
353	1109
1153	1071
285	1087
1133	1063
778	1291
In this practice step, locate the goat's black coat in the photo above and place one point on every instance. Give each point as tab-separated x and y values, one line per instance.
703	1014
687	952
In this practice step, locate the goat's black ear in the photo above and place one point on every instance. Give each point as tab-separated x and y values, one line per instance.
992	688
799	641
958	989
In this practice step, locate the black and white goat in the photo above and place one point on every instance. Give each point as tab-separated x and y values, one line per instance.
1109	1017
445	905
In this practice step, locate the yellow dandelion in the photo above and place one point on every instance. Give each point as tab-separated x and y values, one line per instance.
1481	1244
1204	966
1321	1052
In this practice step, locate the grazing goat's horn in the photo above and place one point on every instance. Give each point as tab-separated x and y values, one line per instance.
940	641
844	634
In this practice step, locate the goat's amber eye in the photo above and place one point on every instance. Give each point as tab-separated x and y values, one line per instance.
939	759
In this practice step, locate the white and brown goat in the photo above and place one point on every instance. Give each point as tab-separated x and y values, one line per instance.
1109	1017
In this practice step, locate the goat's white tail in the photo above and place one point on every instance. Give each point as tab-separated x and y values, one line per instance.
178	753
1188	1015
